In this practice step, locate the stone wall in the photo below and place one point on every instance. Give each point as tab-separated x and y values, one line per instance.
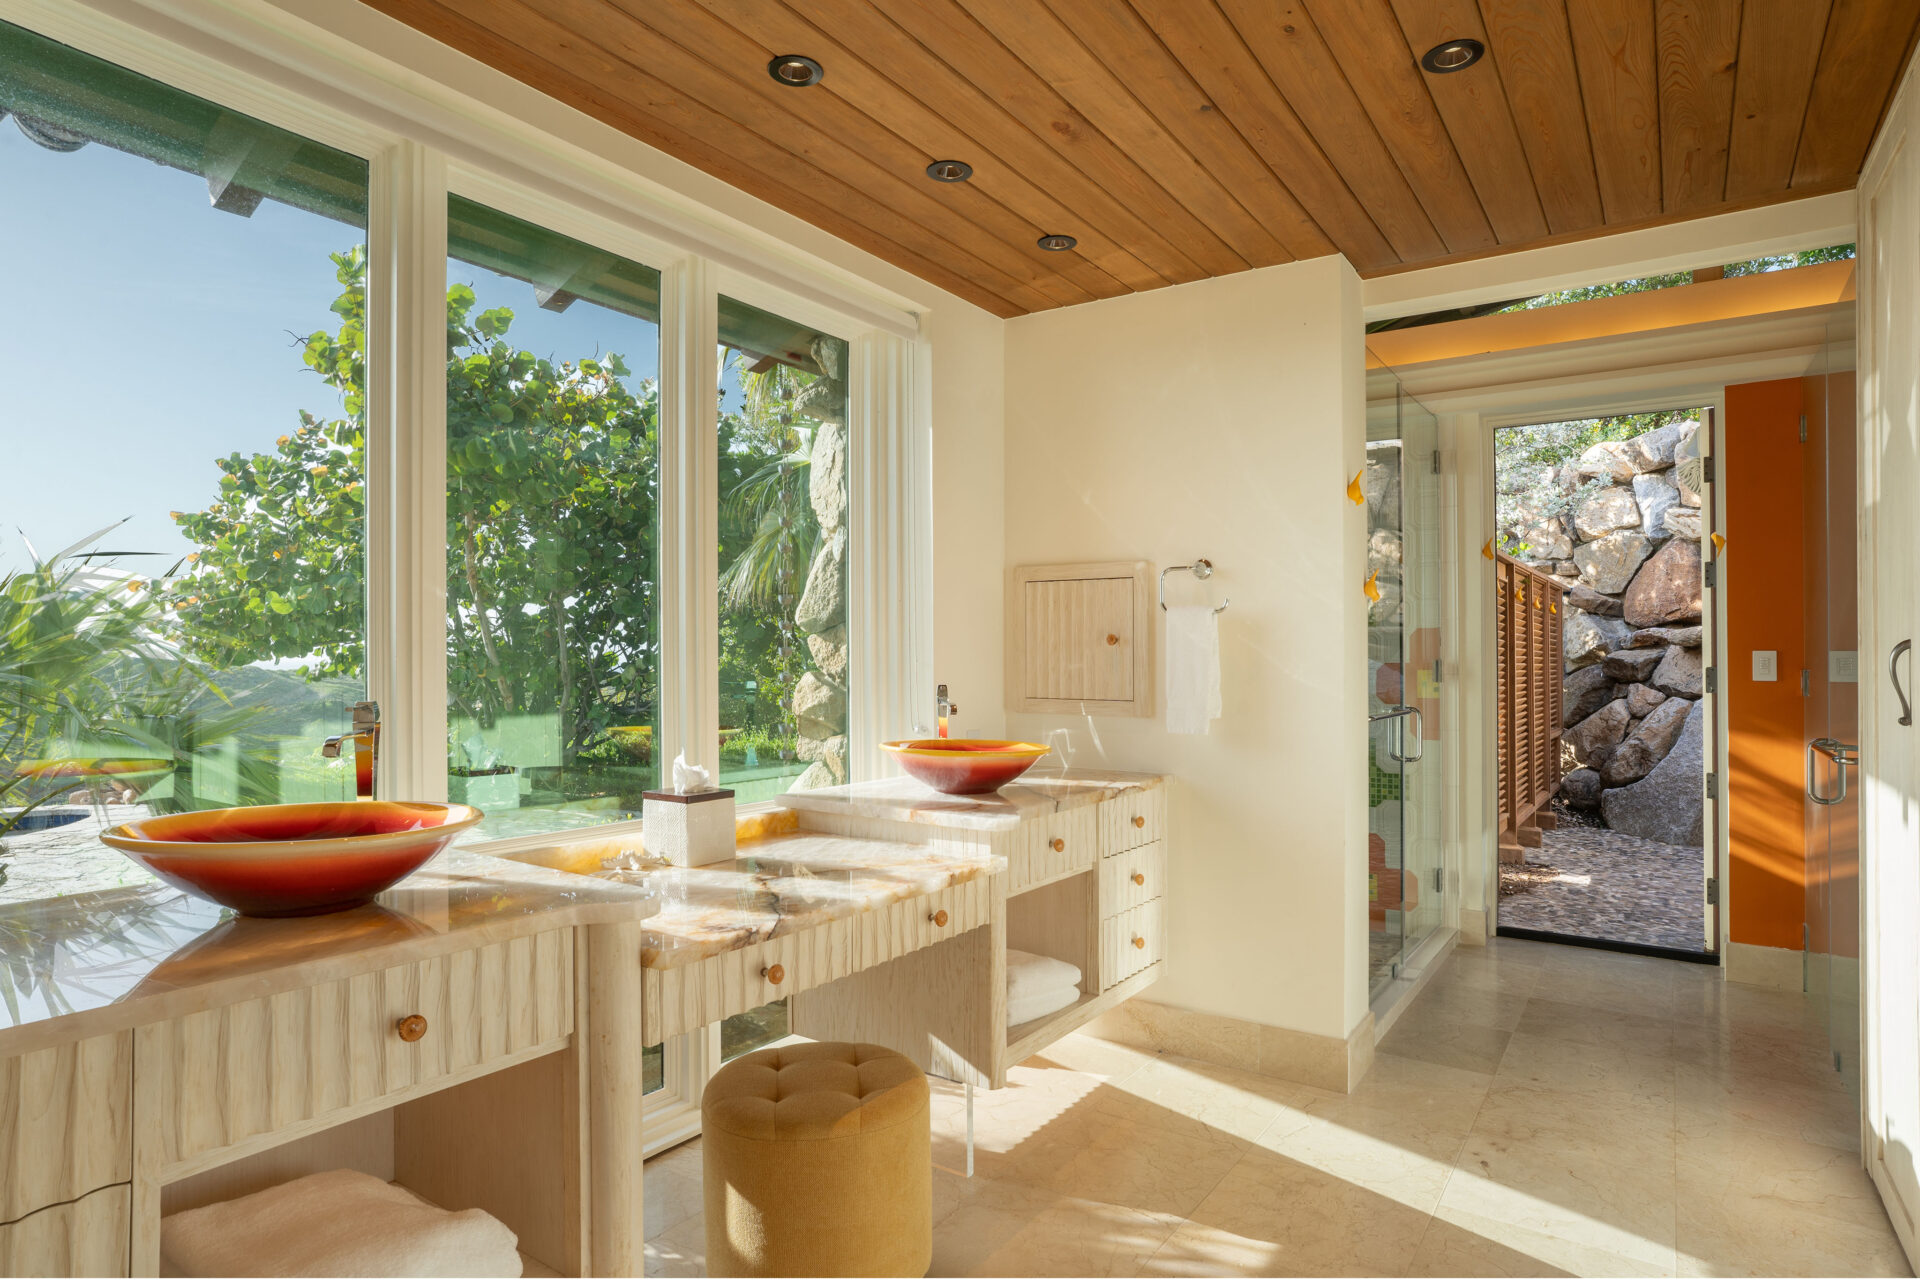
820	698
1621	528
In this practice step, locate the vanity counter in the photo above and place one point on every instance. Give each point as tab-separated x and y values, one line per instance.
1035	795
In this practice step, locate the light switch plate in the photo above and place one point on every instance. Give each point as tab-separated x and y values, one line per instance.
1766	664
1843	666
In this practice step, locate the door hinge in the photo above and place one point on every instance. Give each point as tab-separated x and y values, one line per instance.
1713	786
1713	891
1436	462
1706	465
1712	577
1806	683
1803	428
1713	679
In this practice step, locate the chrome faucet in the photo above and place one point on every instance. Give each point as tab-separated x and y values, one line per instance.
947	708
365	737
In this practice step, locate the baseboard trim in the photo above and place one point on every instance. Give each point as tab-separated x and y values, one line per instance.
1300	1057
1778	968
1473	927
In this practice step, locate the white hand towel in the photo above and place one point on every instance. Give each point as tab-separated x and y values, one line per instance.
339	1223
1039	1004
1193	668
1028	973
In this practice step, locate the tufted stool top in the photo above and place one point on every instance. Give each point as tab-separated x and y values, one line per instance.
811	1092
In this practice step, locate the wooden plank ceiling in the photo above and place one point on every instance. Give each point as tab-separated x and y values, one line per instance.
1179	139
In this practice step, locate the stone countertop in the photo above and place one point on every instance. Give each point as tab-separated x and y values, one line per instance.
93	963
1035	795
784	884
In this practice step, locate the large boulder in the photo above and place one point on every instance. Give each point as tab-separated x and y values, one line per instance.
1631	666
1608	564
827	475
1655	495
1653	450
1588	639
1599	731
1610	460
1686	451
1581	596
1642	699
829	651
1544	540
823	602
1611	508
1581	789
1647	745
1661	637
819	707
1667	587
1678	674
1584	692
1683	522
1664	805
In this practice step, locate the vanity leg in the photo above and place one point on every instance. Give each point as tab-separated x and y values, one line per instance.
612	1104
969	1128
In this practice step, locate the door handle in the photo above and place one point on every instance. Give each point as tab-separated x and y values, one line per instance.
1842	754
1893	671
1419	735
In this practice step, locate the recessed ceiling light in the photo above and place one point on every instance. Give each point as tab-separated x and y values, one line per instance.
949	171
1057	244
796	70
1452	55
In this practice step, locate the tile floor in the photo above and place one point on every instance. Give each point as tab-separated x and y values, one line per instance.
1594	883
1539	1110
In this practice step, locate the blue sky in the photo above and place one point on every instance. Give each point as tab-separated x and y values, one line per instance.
147	334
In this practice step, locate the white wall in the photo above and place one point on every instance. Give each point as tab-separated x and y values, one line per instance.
1223	419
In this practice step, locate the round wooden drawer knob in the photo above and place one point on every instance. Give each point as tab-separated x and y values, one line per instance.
411	1027
775	974
1139	942
1139	821
1059	845
1140	877
1113	639
939	919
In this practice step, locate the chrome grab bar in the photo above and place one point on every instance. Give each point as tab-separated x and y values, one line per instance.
1893	670
1419	731
1842	754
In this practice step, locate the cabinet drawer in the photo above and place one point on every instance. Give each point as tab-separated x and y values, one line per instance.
1050	847
679	999
1131	941
1136	818
85	1237
64	1122
293	1060
1131	878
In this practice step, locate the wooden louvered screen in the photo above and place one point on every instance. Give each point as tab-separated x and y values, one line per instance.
1529	611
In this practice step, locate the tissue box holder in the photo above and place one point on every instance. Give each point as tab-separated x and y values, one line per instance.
688	830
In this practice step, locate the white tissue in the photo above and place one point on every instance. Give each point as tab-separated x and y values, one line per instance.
689	778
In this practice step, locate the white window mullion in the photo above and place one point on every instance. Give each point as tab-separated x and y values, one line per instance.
891	553
406	468
689	564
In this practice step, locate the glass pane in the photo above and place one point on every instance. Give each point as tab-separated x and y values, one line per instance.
1382	488
783	555
553	654
653	1069
754	1029
184	429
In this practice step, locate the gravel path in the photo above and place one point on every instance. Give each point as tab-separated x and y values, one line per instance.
1594	883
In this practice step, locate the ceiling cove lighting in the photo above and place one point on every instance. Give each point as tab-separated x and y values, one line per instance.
796	70
949	171
1452	55
1056	244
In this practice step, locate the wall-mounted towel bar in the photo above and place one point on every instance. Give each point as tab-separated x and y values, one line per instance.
1201	569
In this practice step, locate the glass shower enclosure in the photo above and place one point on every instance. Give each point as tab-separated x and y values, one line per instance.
1402	492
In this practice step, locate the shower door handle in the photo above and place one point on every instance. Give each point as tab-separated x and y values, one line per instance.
1419	736
1893	671
1842	754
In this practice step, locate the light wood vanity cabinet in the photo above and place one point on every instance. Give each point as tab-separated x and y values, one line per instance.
1131	878
83	1237
1080	638
65	1127
1047	848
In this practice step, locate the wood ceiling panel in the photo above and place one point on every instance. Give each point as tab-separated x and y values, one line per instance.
1699	46
1180	139
1614	45
1297	60
1860	61
1365	39
1535	48
1779	49
1479	118
1198	34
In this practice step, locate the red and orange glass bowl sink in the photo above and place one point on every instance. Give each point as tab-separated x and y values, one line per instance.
965	766
292	859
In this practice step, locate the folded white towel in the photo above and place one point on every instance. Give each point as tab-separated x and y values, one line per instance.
1193	668
1038	1004
339	1223
1028	973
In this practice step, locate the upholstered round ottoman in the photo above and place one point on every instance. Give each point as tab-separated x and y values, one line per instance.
819	1162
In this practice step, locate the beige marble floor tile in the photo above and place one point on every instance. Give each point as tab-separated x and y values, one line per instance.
684	1158
1106	1059
1482	1006
1710	1101
1199	1098
1446	1042
1402	1157
681	1251
1553	1062
1749	1052
1274	1216
1449	1250
1768	1169
1628	1035
1737	1235
1521	1116
1011	1232
670	1197
1138	1166
1571	1214
1022	1140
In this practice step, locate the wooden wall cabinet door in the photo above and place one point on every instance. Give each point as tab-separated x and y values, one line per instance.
1080	638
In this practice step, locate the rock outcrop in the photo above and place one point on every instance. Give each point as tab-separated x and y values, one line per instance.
1664	805
1666	588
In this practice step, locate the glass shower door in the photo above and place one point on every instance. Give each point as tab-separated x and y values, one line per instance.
1401	490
